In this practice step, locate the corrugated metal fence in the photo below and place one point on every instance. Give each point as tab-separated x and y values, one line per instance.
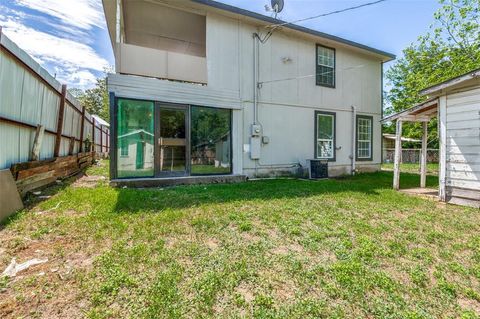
29	97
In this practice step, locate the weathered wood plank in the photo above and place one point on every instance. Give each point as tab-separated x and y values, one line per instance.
463	184
398	152
35	178
442	134
463	193
15	168
61	113
464	175
464	202
37	143
423	159
71	146
30	187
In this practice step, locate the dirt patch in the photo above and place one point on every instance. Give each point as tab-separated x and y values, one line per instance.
88	181
469	304
51	289
285	291
246	291
287	249
212	243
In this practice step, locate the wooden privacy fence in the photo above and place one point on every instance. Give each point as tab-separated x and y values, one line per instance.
43	128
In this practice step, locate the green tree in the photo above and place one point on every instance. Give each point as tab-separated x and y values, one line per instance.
95	99
451	48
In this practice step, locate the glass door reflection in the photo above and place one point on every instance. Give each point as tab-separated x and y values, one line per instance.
172	141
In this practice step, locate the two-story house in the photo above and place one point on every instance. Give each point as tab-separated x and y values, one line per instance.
203	88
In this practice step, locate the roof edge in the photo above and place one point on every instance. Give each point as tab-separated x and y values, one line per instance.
254	15
450	82
394	116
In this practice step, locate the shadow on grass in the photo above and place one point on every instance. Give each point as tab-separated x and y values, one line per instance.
141	200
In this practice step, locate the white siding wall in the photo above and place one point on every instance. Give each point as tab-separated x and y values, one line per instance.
286	109
463	140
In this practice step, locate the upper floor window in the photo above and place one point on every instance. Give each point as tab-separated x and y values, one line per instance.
325	69
325	135
364	137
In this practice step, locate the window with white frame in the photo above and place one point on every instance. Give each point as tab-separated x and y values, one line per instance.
364	137
325	135
325	69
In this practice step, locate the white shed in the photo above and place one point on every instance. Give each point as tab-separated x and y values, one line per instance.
456	103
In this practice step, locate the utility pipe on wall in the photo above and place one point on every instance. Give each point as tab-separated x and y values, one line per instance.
255	78
354	132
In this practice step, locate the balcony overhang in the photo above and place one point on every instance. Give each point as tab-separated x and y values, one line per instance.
142	61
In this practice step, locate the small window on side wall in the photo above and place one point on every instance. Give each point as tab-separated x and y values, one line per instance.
325	135
364	138
325	68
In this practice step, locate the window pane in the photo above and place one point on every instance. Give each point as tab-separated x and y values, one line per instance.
325	149
325	66
325	75
135	139
325	126
210	142
364	138
172	140
325	136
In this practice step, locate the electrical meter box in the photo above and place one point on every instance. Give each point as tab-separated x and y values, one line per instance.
256	130
255	146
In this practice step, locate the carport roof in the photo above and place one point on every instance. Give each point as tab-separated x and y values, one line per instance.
422	112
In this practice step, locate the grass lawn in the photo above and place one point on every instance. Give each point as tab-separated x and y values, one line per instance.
346	248
432	168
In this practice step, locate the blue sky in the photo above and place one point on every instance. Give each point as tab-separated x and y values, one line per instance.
69	37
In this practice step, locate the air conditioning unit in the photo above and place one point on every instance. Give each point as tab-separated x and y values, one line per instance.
318	169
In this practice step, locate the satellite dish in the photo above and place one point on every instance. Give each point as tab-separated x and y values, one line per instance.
277	5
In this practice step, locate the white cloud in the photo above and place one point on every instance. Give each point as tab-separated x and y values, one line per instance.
47	47
65	50
82	14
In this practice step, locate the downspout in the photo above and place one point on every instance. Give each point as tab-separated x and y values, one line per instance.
381	112
354	142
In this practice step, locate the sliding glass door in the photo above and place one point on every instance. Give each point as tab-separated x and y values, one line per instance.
155	139
210	141
172	140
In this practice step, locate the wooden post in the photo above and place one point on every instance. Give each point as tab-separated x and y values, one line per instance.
37	142
398	155
423	156
71	145
61	112
101	138
93	134
442	136
82	128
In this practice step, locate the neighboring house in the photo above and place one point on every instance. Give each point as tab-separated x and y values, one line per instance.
192	71
456	103
389	140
